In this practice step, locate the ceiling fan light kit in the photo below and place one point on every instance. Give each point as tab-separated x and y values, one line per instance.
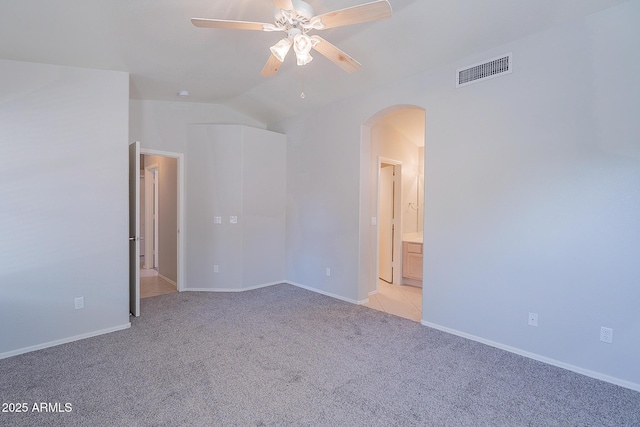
296	18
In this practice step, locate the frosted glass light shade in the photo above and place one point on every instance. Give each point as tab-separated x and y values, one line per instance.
281	49
302	44
303	59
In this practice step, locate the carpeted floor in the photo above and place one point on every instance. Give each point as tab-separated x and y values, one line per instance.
286	356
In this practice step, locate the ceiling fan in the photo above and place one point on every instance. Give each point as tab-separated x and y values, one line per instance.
297	18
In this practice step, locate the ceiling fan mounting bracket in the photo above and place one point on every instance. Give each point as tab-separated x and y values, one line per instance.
302	11
297	19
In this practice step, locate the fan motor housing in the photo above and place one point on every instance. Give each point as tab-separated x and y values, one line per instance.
304	11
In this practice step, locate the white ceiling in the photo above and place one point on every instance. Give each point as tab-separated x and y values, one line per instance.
155	42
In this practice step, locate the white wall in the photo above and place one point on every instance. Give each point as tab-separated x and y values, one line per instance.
63	204
532	195
162	125
226	154
214	188
235	171
322	200
264	193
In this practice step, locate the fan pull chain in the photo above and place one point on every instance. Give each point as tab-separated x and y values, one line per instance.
302	95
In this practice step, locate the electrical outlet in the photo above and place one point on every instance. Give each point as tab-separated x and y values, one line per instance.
533	319
328	271
217	220
216	268
233	219
606	335
79	303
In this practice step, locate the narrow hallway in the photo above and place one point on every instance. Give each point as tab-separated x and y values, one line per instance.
152	284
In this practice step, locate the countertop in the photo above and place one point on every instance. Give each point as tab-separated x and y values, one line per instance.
413	237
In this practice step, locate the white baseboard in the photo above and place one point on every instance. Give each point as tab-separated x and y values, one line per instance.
329	294
250	288
168	280
318	291
412	282
539	358
63	341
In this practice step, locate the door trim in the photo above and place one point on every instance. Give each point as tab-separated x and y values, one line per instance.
181	282
366	206
151	216
397	238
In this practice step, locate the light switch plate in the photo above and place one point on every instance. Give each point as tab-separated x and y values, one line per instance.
233	219
533	319
217	220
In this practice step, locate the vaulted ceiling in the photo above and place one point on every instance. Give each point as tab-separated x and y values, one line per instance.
156	43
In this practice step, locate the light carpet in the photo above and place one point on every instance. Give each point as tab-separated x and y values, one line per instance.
284	356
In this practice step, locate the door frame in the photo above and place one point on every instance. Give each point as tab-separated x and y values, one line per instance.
367	232
181	280
151	215
134	228
397	207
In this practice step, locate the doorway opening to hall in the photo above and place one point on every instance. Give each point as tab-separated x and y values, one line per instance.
158	225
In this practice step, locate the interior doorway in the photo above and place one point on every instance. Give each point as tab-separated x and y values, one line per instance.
168	206
159	225
396	133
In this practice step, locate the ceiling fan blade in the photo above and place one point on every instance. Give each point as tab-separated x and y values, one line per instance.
231	25
373	11
337	56
271	67
284	4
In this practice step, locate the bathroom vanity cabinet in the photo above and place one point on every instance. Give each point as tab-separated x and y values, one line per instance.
412	260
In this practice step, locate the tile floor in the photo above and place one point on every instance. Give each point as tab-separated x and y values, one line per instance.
403	301
151	284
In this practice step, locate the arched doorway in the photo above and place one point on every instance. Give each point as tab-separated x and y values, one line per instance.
393	136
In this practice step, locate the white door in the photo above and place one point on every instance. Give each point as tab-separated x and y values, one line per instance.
386	223
134	228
